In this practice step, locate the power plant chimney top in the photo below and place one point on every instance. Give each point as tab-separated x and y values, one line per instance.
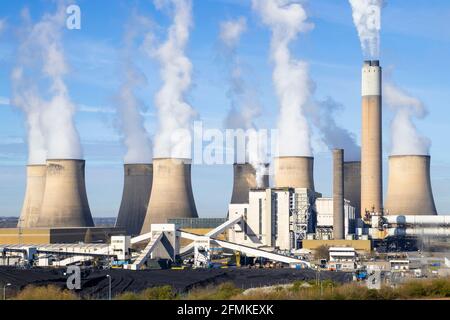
372	63
410	155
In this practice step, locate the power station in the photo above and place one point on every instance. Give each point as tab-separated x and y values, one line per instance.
137	188
409	186
244	179
171	195
65	203
34	194
294	172
371	139
276	222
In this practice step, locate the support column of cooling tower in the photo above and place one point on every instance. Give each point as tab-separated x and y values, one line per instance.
244	179
34	194
352	185
137	188
65	203
338	194
409	186
294	172
172	195
371	148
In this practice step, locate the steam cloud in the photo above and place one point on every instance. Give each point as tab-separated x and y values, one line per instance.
51	130
405	138
136	138
367	19
287	18
174	136
322	114
244	108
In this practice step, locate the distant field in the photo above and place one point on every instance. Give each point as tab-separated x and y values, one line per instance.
95	284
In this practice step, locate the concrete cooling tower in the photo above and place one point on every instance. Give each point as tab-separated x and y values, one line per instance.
371	161
352	185
171	195
409	186
135	197
65	203
33	196
244	180
294	172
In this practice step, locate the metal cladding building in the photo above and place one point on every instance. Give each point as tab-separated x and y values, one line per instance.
352	184
294	172
171	195
34	194
244	180
135	198
371	153
409	186
65	203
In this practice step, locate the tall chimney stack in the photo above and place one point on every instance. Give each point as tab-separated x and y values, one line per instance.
409	186
34	194
244	180
338	195
371	152
352	184
294	172
171	195
137	188
65	203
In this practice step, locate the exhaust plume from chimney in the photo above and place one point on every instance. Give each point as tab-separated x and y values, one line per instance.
136	138
52	119
244	106
322	115
286	20
174	136
367	19
405	138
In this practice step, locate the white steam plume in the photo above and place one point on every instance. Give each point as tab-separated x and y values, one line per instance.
244	107
136	138
405	138
322	114
287	18
42	49
174	136
367	19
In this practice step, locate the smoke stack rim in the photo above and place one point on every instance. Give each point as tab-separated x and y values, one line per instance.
410	155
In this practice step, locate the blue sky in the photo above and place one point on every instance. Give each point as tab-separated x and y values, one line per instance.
415	44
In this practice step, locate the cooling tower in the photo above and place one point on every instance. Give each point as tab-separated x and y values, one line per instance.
338	195
33	196
409	186
171	195
244	180
65	202
135	197
371	161
294	172
352	185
